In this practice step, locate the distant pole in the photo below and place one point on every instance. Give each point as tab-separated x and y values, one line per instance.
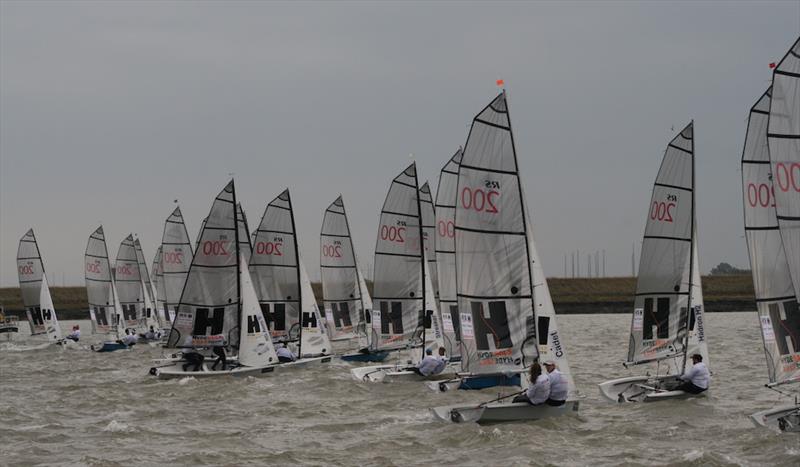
633	260
596	264
604	263
573	265
588	265
578	257
565	265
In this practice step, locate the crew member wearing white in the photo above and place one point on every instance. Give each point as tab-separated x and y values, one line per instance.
539	390
559	389
697	378
284	354
75	335
130	338
428	365
442	364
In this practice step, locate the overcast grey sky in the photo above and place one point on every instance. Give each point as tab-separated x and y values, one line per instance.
109	111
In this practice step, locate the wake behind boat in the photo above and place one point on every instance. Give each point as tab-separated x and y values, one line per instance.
667	325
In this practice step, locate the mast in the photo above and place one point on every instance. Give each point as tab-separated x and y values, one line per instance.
238	268
421	256
689	310
299	283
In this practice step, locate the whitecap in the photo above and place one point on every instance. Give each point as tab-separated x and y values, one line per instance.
117	427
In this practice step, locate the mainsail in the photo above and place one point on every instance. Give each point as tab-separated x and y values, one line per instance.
399	286
244	233
446	196
100	289
783	135
314	340
176	257
158	289
495	285
429	234
662	316
341	291
129	282
149	312
30	270
208	311
777	305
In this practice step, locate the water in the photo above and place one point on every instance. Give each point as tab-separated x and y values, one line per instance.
83	408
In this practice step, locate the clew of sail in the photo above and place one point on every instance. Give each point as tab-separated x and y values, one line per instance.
783	137
99	284
341	288
128	280
255	347
176	257
446	254
398	288
660	316
778	312
208	311
493	275
30	270
274	268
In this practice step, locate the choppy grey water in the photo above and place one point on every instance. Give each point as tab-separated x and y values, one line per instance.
84	408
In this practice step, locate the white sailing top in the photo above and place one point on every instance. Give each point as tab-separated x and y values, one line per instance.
698	375
539	391
559	389
429	365
284	352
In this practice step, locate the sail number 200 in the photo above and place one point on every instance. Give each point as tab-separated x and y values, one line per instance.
480	200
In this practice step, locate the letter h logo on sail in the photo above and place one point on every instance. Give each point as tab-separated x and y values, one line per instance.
36	316
277	317
309	320
495	325
253	325
341	314
205	325
395	317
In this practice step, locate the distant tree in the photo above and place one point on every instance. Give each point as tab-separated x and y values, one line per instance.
725	269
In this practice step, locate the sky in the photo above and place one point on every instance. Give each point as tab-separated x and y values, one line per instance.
110	111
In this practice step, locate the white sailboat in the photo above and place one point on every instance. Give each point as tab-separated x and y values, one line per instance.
105	309
771	209
218	306
667	324
506	315
344	302
148	319
159	291
176	258
35	291
282	285
128	280
245	246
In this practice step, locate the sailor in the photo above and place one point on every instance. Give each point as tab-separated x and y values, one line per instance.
75	335
193	358
219	351
442	364
558	385
697	378
129	339
284	354
151	334
428	365
539	390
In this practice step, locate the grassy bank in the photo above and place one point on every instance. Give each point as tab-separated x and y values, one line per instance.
605	295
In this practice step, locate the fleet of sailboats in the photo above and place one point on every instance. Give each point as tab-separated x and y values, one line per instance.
458	271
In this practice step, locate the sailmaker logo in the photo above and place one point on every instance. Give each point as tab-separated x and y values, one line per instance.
557	350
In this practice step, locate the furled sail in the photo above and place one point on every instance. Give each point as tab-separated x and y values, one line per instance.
341	291
661	316
397	319
274	267
775	299
99	285
208	312
783	137
493	261
129	282
30	271
244	234
429	234
176	257
158	289
446	197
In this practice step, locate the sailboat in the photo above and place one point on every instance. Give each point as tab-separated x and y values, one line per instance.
218	305
406	316
147	319
176	258
506	313
348	308
245	246
105	309
129	283
159	291
771	209
667	324
283	287
446	198
35	291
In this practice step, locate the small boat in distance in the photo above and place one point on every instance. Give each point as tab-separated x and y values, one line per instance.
35	293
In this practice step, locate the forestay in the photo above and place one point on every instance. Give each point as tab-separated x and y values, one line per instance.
783	134
493	277
208	312
30	271
777	305
660	317
129	282
244	234
99	285
341	291
398	281
446	254
176	257
274	268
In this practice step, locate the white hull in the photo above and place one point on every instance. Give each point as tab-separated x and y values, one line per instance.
499	412
784	418
644	389
176	371
394	373
307	361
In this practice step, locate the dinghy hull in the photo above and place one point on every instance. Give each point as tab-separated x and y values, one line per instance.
378	356
501	412
110	347
395	373
176	371
784	418
644	389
